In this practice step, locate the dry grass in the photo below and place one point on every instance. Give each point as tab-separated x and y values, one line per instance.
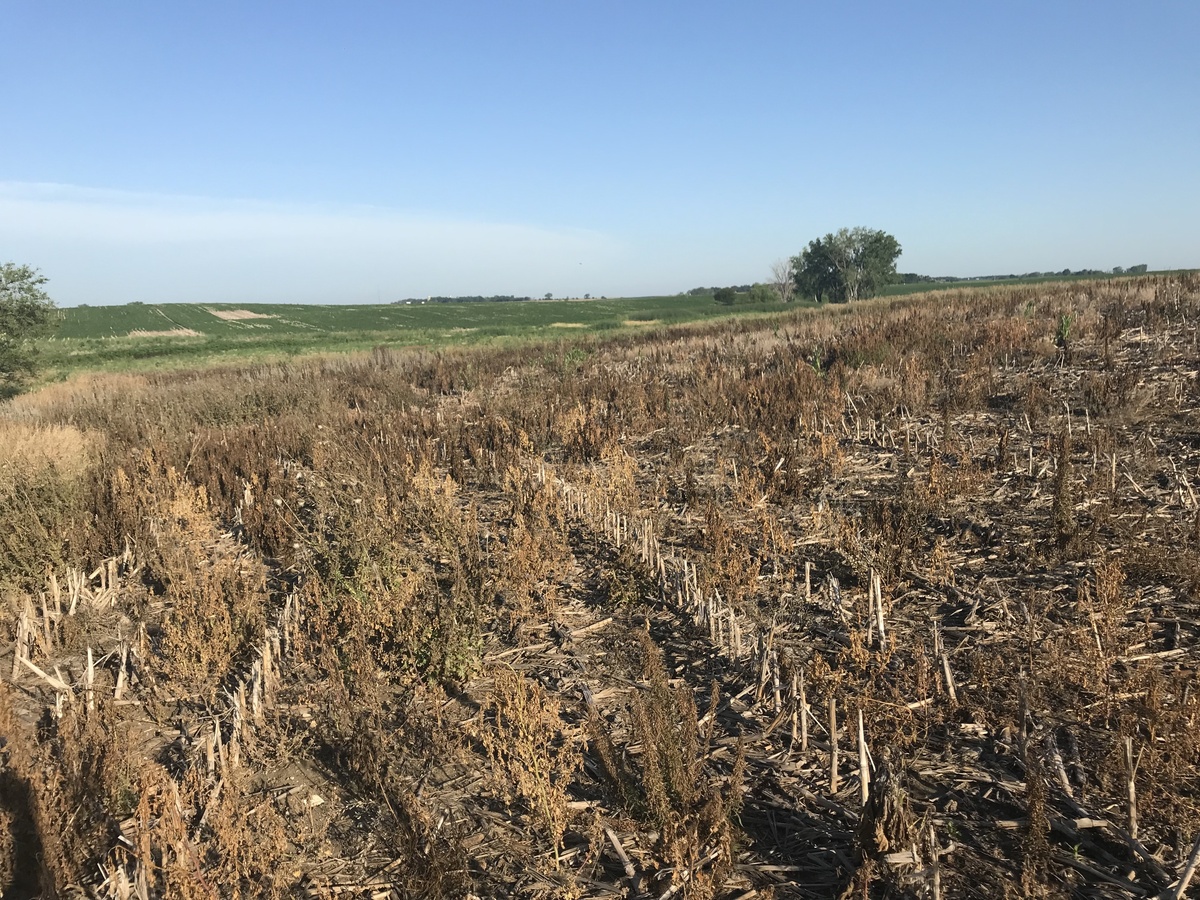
26	448
170	332
238	315
487	622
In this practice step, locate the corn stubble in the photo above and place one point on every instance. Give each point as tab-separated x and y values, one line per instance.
892	599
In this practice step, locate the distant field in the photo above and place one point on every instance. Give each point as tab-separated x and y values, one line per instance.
902	290
174	334
899	290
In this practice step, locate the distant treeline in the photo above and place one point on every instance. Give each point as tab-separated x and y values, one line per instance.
736	288
497	298
914	278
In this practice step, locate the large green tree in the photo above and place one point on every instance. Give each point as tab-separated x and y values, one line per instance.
815	272
26	313
849	264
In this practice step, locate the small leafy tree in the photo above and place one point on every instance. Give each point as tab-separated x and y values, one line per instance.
762	293
26	312
725	296
850	264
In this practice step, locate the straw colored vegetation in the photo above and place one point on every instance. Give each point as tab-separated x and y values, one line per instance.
895	599
169	332
27	448
237	315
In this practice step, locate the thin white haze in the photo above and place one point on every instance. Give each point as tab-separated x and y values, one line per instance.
102	247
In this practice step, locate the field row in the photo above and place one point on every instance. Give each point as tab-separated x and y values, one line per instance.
141	336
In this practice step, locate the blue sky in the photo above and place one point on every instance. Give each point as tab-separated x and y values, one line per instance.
320	152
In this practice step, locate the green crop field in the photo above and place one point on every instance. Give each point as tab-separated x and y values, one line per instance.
142	336
172	335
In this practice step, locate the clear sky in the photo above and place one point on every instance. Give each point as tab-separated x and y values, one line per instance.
354	151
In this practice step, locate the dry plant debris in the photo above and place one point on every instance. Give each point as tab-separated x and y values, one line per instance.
888	600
